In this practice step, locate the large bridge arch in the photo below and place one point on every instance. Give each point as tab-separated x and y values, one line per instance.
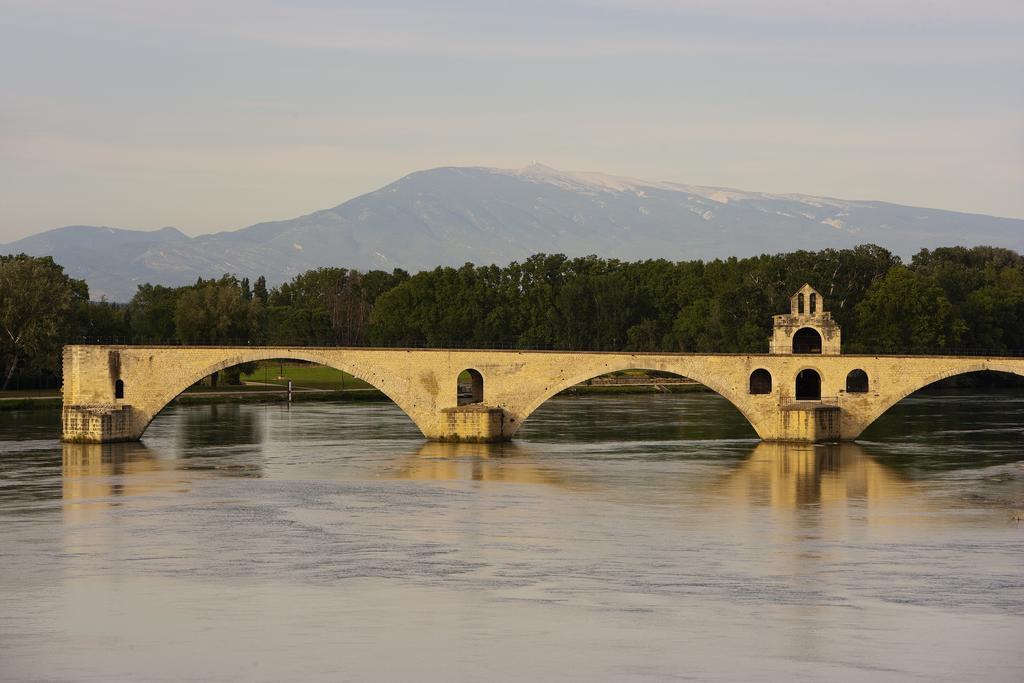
519	412
911	383
152	377
152	407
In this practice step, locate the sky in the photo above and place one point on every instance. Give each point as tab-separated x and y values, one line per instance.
214	115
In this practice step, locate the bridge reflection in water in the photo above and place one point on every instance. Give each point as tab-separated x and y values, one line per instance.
100	476
502	462
782	476
788	475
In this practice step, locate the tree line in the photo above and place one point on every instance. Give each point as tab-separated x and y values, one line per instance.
944	300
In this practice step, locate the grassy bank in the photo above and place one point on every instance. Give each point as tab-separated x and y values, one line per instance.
588	389
268	382
202	398
304	376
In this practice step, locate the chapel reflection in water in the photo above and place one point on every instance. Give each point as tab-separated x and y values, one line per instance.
795	476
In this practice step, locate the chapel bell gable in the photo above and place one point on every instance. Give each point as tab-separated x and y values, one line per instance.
806	301
807	329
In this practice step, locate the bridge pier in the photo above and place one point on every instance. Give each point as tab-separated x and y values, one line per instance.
804	423
474	423
97	423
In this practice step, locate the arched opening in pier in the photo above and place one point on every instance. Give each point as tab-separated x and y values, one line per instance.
470	387
760	381
119	389
807	340
808	385
857	382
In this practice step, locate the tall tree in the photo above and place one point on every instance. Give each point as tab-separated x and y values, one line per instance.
259	290
217	312
152	313
907	312
37	303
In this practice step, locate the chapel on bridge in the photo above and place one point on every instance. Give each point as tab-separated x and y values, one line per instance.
807	329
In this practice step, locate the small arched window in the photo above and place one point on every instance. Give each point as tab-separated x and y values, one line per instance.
760	382
119	389
814	303
470	387
857	382
800	303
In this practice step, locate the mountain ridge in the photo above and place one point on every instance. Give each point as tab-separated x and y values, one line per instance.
452	214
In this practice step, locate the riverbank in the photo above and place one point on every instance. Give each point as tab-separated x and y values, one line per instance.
238	395
634	388
263	396
251	393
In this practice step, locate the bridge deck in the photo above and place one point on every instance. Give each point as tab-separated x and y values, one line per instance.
441	349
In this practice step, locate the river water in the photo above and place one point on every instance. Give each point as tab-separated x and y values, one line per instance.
627	537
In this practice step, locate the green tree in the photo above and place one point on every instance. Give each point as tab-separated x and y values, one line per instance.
217	312
985	286
152	311
37	305
103	320
259	290
906	312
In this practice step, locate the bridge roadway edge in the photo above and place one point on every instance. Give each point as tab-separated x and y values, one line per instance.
423	383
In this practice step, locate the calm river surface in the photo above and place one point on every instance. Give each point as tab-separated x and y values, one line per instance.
628	537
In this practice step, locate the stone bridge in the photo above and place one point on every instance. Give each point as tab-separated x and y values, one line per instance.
112	393
804	389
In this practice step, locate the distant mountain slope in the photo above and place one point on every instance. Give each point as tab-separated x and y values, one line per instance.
447	216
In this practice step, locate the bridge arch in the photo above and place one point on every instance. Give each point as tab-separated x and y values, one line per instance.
145	411
910	386
807	340
739	399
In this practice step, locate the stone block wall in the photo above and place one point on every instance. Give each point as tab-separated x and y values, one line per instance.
97	423
474	423
809	423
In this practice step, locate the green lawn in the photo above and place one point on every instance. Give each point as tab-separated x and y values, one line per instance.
221	388
305	376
